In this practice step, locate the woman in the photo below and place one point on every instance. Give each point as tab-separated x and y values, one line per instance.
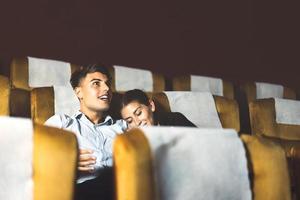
138	110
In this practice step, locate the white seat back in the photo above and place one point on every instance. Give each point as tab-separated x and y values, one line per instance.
192	163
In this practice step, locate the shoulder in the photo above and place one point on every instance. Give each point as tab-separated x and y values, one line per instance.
59	121
121	125
176	119
174	116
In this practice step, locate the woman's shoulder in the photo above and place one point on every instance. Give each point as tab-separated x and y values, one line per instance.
174	119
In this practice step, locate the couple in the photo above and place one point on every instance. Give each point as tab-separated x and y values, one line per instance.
95	130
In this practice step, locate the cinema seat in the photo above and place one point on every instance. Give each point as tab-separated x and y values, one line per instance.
28	73
268	169
37	162
197	83
144	170
251	91
4	95
47	101
21	72
128	78
201	108
278	120
180	163
260	90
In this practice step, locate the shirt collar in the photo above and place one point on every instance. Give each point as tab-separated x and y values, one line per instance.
107	121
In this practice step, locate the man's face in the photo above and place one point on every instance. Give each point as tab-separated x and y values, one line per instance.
94	92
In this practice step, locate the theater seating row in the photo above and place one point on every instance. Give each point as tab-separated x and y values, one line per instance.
39	162
39	97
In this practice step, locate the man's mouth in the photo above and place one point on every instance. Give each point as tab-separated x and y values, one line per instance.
104	97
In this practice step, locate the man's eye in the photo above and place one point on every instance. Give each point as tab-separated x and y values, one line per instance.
129	122
138	113
96	83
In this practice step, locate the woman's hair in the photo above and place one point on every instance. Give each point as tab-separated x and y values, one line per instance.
135	95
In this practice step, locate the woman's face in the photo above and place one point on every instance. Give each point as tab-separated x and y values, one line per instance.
137	114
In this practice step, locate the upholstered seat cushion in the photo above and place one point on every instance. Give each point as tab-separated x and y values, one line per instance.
260	90
263	117
37	162
269	170
48	101
28	72
128	78
200	106
4	95
181	163
197	83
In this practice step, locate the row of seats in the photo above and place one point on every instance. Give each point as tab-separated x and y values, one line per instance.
28	73
40	98
163	162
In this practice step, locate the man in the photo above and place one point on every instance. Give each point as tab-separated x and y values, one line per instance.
95	131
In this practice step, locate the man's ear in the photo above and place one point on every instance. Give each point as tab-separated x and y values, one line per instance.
78	92
152	105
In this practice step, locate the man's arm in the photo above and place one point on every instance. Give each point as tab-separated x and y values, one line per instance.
86	161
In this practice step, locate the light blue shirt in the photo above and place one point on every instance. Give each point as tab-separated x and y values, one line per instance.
96	137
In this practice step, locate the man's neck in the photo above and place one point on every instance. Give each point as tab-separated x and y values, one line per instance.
94	117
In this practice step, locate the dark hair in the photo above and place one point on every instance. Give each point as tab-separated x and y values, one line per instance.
81	73
135	95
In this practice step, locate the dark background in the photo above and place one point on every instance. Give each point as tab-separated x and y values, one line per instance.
237	40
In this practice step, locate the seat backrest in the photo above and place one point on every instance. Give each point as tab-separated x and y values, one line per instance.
197	83
295	165
128	78
251	91
4	95
28	72
37	162
47	101
276	118
260	90
181	163
279	120
201	108
268	169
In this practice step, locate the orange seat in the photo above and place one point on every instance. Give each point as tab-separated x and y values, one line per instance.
4	95
274	119
215	86
24	102
251	91
128	78
180	163
226	109
39	161
138	177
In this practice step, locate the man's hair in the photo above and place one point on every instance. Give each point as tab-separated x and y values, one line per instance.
81	73
135	95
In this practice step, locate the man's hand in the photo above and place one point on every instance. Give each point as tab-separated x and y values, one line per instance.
86	160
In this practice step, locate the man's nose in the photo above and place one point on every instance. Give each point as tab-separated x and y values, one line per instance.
106	86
